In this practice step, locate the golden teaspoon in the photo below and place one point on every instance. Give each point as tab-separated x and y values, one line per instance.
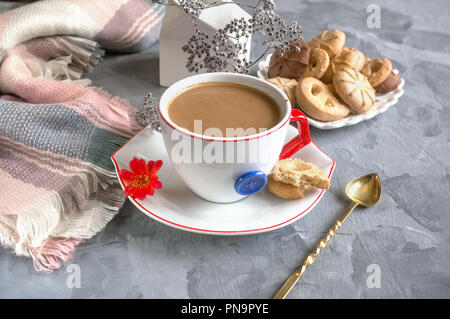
364	191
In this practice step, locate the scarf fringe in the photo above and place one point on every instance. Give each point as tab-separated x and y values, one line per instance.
76	56
86	54
114	102
77	213
7	236
53	253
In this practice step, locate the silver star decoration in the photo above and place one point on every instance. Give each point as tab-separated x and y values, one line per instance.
148	114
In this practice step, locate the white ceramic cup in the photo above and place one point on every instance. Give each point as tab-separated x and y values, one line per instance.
216	180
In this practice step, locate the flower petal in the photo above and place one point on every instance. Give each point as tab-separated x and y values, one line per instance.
158	165
141	196
148	189
157	184
150	165
129	190
126	175
135	166
143	166
139	193
155	167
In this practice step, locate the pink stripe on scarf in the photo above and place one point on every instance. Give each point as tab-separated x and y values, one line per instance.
141	32
58	162
127	18
102	11
117	113
18	195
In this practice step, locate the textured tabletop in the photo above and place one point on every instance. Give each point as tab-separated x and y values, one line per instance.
403	241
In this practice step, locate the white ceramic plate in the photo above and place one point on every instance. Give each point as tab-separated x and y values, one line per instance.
175	205
382	103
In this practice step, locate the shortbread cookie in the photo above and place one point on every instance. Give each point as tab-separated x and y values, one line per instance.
328	77
367	60
287	86
349	57
332	88
298	173
377	71
318	64
331	41
316	100
391	83
292	64
354	89
284	190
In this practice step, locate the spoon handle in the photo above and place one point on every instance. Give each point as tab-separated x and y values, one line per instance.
292	280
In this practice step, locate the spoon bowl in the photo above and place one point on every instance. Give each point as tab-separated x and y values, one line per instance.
365	190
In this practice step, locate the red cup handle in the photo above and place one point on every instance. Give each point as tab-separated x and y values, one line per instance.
302	139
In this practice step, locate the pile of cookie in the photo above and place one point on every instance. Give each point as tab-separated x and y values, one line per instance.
327	80
291	177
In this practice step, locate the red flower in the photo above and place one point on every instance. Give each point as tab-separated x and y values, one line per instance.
142	179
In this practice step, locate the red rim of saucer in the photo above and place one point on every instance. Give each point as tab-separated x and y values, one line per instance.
245	231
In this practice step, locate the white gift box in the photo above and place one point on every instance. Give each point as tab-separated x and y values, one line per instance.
177	28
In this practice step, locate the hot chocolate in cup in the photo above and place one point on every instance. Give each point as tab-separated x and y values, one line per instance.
221	167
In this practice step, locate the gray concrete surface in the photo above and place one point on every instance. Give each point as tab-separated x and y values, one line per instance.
407	234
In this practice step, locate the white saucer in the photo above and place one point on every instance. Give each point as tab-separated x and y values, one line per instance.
175	205
382	103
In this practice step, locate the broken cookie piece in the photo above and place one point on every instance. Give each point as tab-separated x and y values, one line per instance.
298	173
284	190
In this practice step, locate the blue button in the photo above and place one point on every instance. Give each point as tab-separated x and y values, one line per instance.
250	183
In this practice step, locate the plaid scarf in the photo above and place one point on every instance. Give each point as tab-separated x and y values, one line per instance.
57	134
